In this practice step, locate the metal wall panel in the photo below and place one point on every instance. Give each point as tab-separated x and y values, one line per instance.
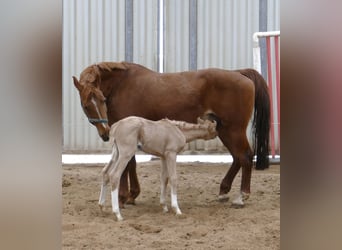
225	30
90	35
145	38
94	31
176	36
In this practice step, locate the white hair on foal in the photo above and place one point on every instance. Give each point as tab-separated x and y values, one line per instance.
163	138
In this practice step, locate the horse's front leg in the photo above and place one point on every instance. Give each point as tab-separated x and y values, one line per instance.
133	180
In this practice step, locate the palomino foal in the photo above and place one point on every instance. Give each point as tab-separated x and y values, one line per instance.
163	138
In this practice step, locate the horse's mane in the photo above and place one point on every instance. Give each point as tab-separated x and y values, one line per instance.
91	74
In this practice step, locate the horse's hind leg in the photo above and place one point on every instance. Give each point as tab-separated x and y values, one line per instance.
227	181
237	143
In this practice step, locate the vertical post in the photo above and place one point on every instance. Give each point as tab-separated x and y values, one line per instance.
161	39
277	62
129	30
263	27
270	87
193	35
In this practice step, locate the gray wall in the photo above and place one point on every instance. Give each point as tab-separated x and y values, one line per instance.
94	31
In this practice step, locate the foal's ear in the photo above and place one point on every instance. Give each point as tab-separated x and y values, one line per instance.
199	120
77	84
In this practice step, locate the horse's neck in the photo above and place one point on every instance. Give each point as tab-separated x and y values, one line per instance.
194	134
107	85
110	82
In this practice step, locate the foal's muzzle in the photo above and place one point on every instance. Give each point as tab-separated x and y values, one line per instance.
105	137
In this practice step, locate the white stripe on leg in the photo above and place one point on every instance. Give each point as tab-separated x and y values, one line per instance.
115	204
174	203
103	193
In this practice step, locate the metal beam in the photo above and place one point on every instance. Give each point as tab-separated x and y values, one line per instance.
193	35
263	27
161	36
129	30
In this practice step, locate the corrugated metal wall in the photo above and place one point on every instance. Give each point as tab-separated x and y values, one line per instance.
94	31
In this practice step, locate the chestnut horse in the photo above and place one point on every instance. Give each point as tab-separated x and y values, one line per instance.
111	91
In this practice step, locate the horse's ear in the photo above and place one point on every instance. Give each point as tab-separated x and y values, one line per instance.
77	84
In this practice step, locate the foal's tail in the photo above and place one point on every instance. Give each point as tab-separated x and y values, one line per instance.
114	156
261	121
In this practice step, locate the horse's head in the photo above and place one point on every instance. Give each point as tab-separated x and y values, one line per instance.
210	125
94	106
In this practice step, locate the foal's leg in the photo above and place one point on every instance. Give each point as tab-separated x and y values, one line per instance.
163	185
123	190
171	167
102	199
105	177
115	176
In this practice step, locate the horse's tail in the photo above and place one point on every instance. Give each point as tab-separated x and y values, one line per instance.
261	121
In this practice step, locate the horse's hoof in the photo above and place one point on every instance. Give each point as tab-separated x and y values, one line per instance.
238	202
245	196
234	205
223	197
130	201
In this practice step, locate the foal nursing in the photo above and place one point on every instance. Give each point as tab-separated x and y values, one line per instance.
164	138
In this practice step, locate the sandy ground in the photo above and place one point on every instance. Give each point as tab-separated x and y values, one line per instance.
206	223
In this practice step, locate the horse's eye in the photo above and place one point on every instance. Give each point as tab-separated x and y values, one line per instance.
86	107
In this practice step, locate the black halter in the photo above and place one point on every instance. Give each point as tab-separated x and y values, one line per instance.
94	120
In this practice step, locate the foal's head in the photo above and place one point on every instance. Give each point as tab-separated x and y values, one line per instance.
94	106
210	126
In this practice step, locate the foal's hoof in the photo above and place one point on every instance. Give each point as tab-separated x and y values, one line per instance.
223	197
118	217
165	209
180	216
